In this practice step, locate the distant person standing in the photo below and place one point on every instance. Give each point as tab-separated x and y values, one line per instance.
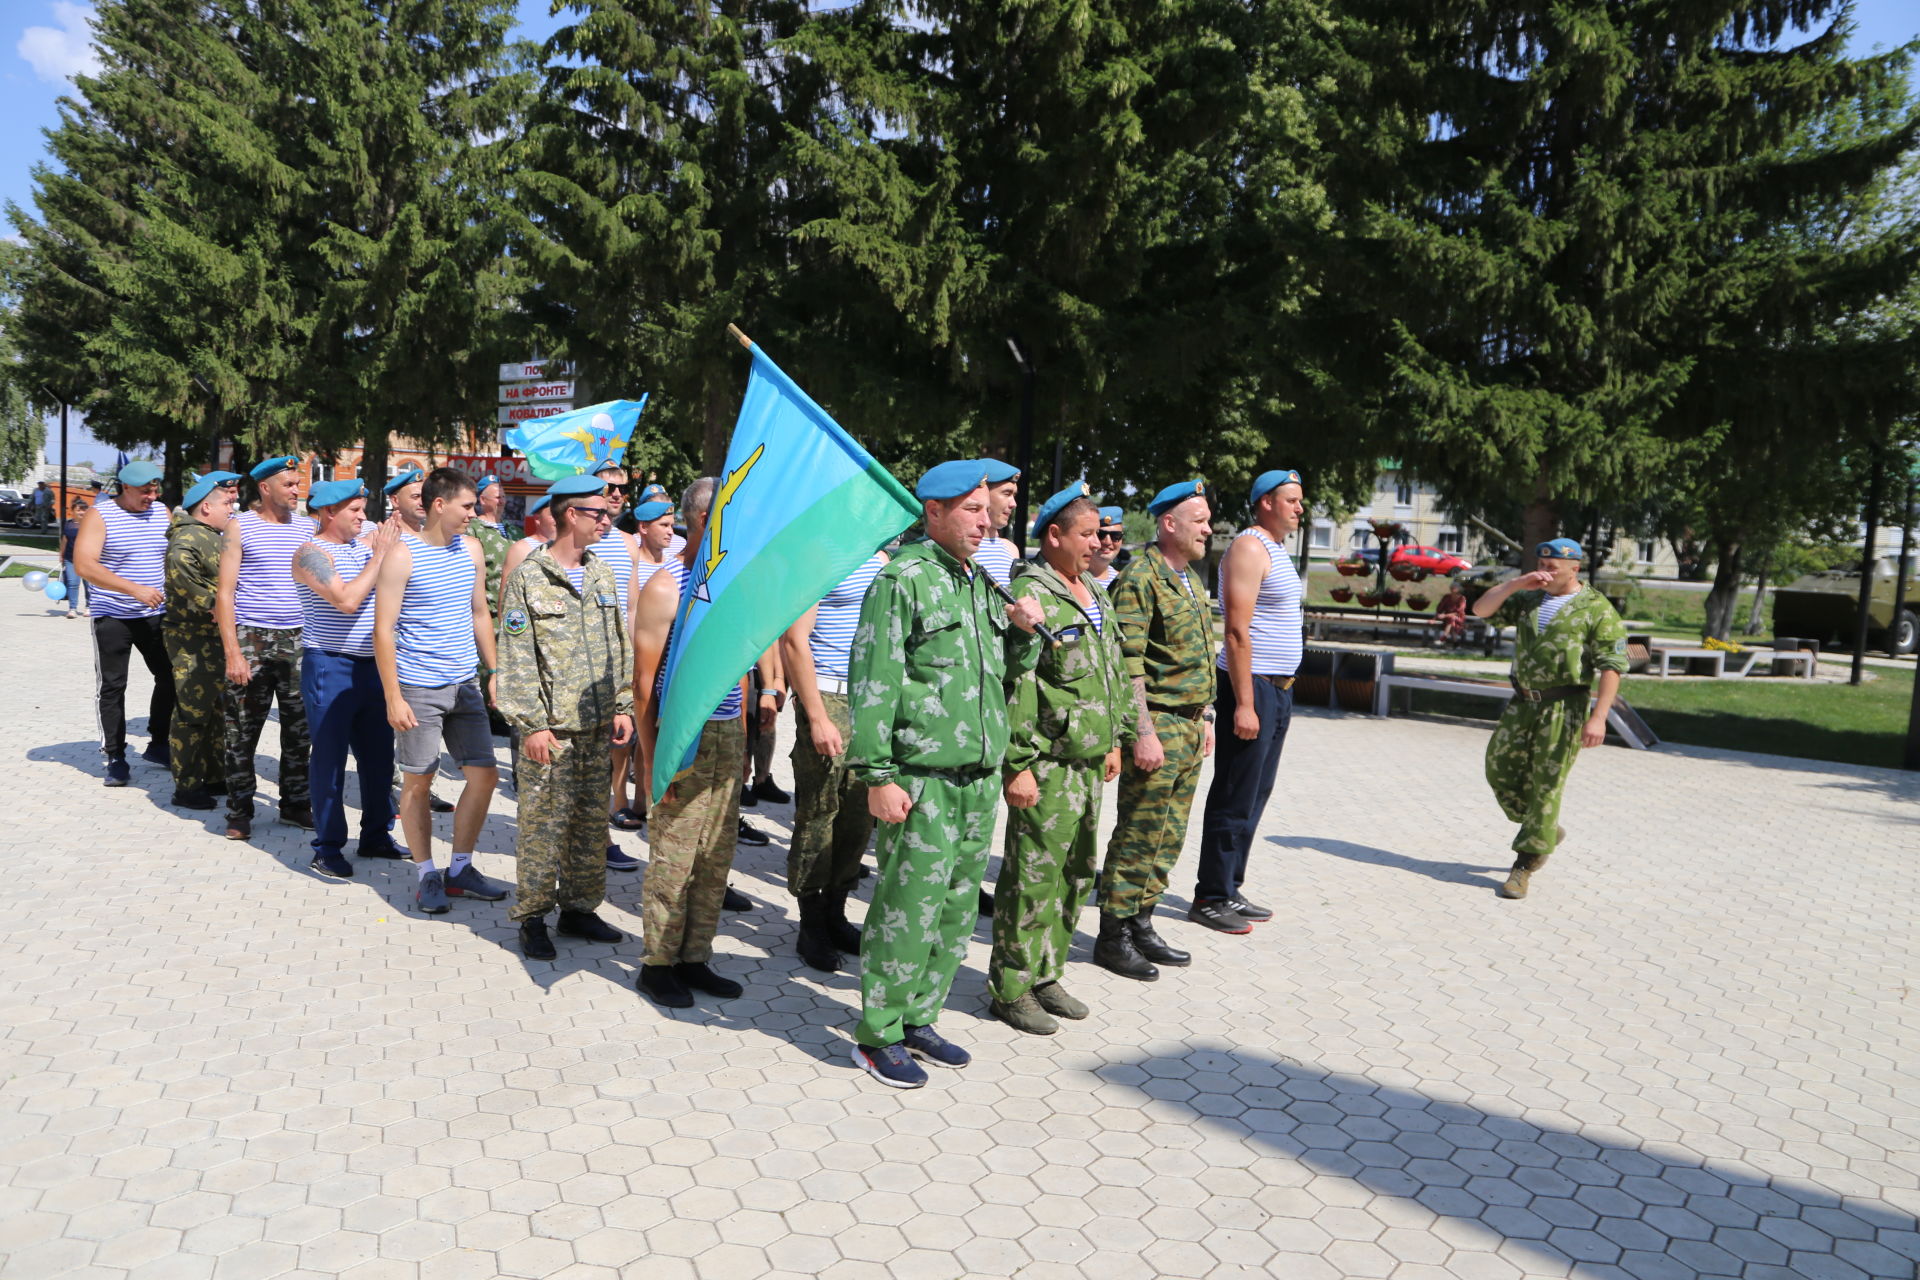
69	572
653	525
620	552
1265	638
540	518
403	498
1113	537
121	550
198	738
433	645
997	554
1564	632
42	506
259	617
486	529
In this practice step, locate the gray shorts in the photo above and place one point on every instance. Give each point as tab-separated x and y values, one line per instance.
453	712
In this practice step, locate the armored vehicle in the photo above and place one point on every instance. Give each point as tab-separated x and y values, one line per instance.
1824	606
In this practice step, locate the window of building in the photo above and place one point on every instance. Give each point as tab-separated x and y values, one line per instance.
1323	534
1402	493
1448	540
1362	536
322	471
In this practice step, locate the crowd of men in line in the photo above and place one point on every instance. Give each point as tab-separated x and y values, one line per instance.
934	683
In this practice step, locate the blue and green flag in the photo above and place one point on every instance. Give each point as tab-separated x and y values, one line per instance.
575	442
799	507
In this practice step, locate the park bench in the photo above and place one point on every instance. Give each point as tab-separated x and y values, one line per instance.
1622	718
1663	656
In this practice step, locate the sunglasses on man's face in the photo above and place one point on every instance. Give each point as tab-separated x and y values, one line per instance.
616	488
596	514
1112	535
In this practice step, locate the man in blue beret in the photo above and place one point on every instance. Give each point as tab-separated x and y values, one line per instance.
121	550
997	554
198	736
334	576
653	540
1167	640
1265	637
487	530
620	551
1564	632
927	669
1113	536
403	498
259	618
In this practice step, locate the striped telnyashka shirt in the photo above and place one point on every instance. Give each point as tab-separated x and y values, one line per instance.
1277	628
135	548
264	595
433	636
838	617
325	627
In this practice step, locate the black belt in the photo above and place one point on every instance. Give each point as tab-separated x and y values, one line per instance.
1185	713
1558	693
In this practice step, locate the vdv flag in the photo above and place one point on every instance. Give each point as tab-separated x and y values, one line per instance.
800	506
575	442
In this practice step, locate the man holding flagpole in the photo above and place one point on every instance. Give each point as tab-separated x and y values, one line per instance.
927	667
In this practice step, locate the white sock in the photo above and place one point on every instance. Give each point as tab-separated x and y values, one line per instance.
459	863
423	867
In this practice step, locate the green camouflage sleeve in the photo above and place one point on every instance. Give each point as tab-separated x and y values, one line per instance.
199	577
876	675
521	699
1023	697
1607	642
1132	615
1516	607
1120	686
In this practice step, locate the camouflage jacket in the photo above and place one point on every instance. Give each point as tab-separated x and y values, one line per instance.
1075	704
1166	631
493	546
193	574
930	658
1584	637
565	660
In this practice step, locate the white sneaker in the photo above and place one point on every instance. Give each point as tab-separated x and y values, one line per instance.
72	614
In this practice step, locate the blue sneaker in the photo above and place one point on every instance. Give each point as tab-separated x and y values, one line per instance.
431	896
925	1042
118	774
331	863
469	883
619	861
890	1065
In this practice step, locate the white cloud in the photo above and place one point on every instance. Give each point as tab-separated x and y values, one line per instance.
58	54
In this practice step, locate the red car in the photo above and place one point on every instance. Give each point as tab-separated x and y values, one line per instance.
1432	559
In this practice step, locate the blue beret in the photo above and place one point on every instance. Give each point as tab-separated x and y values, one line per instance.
1175	494
1560	549
999	472
608	465
1057	503
1112	515
651	511
274	466
1267	481
412	475
576	487
654	491
480	485
328	492
139	473
951	480
206	484
539	504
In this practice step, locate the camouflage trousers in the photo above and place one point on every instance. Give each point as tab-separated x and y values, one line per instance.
690	839
1045	870
273	662
1150	819
1528	759
926	897
561	851
831	825
197	736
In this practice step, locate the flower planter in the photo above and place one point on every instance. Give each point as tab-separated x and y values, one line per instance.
1401	572
1351	568
1341	594
1371	599
1418	602
1390	598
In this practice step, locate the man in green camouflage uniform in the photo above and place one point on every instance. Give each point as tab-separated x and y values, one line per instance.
566	688
1167	639
1563	633
198	734
485	529
1069	723
929	661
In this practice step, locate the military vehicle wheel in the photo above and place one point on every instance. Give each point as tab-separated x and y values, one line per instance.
1906	633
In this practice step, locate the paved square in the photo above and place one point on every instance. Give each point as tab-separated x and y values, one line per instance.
1691	1053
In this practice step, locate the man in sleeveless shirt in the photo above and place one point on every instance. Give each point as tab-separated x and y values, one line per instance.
403	498
335	576
121	550
620	552
653	536
691	834
193	639
259	618
996	555
1166	634
831	825
433	645
565	687
1260	594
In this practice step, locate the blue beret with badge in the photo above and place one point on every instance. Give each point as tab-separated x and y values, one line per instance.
951	480
1112	515
135	474
1175	494
412	475
206	484
1560	549
539	504
576	487
651	511
274	466
655	492
1000	471
1056	504
330	492
480	485
1267	481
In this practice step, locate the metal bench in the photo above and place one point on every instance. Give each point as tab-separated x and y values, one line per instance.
1622	718
1663	656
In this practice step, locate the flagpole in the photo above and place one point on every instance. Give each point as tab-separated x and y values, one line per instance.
733	331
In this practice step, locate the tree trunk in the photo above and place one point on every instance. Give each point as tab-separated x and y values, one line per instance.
1538	523
1759	603
1725	591
174	485
374	451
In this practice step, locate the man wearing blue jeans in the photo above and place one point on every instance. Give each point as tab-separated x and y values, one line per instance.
1260	595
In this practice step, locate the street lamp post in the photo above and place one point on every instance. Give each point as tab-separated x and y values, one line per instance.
1025	362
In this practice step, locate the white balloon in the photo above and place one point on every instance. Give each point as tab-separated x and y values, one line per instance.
36	580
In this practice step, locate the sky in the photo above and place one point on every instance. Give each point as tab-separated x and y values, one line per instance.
45	43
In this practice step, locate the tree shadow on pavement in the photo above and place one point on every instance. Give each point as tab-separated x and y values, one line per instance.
1446	872
1379	1163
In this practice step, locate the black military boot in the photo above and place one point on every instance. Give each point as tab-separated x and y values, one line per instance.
816	942
845	933
1115	951
1152	946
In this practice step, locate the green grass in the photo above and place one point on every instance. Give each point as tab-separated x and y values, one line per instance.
1836	722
